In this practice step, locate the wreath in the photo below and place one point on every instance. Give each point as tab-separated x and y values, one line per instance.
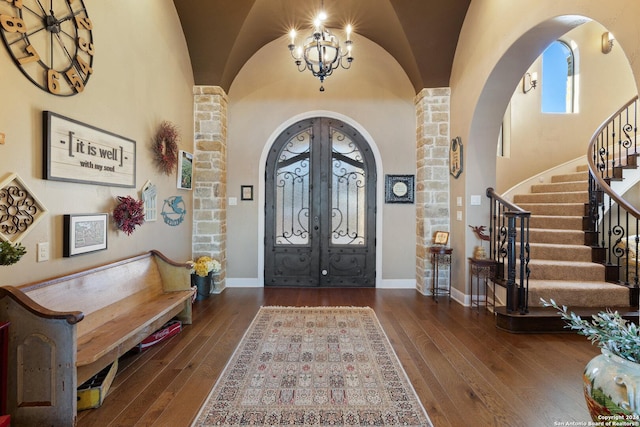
165	147
128	214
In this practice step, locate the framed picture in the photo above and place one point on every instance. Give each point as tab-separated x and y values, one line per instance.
399	188
84	233
185	170
455	157
77	152
440	238
246	192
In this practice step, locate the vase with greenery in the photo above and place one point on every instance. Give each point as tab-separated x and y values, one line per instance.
10	254
611	380
201	275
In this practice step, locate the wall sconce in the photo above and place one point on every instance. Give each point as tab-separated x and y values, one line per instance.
532	81
607	42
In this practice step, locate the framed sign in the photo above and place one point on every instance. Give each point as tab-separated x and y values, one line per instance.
185	170
455	157
440	238
398	188
246	192
84	233
77	152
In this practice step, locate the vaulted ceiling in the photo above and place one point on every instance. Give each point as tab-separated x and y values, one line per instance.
420	34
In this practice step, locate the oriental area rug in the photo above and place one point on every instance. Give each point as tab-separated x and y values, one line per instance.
320	366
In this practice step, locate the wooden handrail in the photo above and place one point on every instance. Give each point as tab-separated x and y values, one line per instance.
592	166
491	193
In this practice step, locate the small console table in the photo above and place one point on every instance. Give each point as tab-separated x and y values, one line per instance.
482	270
440	256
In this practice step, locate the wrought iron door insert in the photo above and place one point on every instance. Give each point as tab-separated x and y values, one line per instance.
320	207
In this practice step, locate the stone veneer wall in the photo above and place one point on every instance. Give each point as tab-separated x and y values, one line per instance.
432	180
210	177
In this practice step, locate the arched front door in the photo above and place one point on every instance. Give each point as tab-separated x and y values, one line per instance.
320	207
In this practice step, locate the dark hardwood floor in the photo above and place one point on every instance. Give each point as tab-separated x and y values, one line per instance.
466	372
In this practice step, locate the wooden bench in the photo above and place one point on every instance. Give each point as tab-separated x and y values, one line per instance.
67	329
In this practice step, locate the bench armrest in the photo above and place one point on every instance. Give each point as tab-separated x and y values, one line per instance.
175	276
72	317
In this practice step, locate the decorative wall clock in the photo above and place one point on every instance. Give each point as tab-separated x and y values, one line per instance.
399	188
51	41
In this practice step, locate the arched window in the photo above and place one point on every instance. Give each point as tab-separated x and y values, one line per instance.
558	68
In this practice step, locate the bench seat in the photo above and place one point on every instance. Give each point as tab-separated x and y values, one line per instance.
123	332
67	329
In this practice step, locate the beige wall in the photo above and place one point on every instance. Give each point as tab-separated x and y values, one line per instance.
375	96
603	82
142	76
494	51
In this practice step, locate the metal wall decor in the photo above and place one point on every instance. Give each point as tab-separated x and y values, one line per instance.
20	210
174	211
76	152
455	157
399	188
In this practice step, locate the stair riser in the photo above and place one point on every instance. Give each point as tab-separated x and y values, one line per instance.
577	176
556	238
560	187
580	297
575	209
556	222
592	273
573	197
572	253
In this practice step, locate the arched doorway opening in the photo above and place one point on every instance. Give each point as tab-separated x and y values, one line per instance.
320	207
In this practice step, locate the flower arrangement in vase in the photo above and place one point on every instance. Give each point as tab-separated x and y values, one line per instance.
201	271
205	265
611	380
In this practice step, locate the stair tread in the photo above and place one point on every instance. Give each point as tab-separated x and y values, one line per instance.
573	263
555	230
562	283
560	245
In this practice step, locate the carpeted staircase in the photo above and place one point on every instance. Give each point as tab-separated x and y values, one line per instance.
561	266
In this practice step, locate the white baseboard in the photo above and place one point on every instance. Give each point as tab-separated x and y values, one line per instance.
246	282
253	282
456	295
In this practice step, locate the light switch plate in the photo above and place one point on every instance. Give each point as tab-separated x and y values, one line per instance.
42	253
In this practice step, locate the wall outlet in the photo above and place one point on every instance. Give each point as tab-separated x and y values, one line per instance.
42	252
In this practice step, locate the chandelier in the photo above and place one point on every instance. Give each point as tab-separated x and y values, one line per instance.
321	51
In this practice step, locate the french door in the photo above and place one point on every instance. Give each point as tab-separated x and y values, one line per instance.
320	207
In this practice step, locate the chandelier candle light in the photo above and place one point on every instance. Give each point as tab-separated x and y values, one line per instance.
321	51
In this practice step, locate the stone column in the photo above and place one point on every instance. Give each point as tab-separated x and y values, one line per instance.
210	177
432	180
